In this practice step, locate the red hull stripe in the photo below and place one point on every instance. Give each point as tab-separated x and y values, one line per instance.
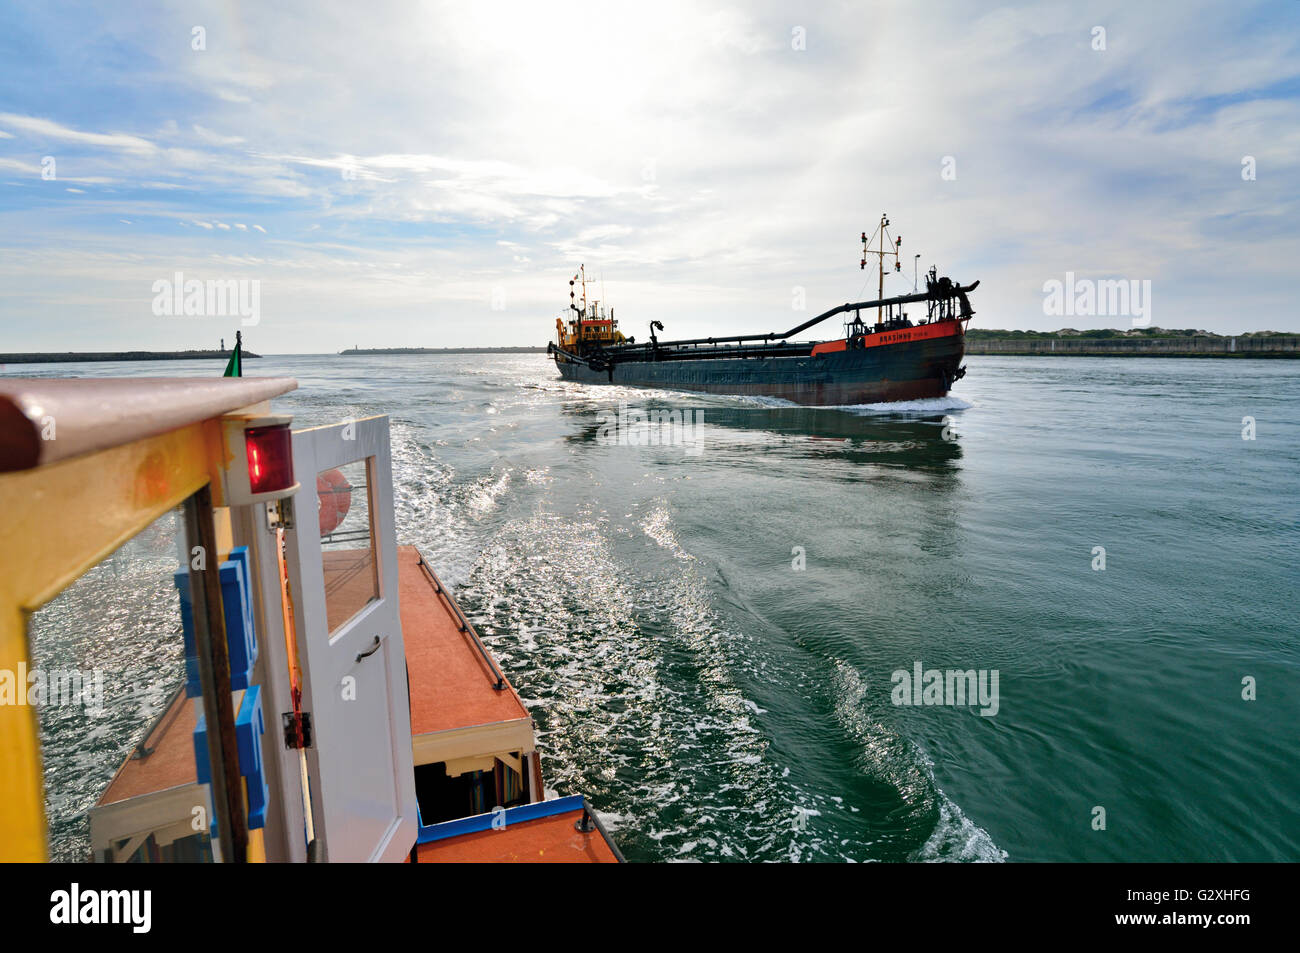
922	332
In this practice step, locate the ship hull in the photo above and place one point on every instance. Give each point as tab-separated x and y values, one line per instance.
909	370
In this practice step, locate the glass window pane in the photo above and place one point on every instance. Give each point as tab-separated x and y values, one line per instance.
347	541
107	663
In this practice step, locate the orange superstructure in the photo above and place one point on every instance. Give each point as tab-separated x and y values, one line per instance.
590	324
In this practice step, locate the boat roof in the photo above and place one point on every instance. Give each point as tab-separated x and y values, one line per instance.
98	413
456	712
165	756
531	833
453	676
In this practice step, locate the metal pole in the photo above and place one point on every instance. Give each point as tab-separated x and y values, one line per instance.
881	292
214	679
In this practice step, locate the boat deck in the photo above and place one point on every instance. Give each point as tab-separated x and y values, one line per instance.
167	756
543	833
464	712
457	709
453	683
454	698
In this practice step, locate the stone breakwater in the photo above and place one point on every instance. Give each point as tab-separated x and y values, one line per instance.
71	357
1140	347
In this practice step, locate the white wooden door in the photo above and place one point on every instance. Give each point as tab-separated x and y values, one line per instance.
344	589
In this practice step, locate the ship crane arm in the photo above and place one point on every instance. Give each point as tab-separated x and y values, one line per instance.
953	290
957	291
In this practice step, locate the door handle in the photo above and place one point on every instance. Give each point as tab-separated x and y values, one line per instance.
370	651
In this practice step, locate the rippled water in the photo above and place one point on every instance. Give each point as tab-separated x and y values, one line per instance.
715	702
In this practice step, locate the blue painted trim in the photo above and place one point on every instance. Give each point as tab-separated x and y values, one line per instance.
249	728
241	636
513	815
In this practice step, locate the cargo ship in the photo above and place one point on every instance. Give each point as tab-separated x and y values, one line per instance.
890	358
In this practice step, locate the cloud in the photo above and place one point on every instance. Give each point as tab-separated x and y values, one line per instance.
216	139
696	157
39	128
18	165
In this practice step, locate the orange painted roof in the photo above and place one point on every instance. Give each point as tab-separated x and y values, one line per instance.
170	765
451	684
546	840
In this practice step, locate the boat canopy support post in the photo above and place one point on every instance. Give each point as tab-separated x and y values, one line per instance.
214	678
285	820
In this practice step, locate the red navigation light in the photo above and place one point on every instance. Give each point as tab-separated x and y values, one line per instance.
270	458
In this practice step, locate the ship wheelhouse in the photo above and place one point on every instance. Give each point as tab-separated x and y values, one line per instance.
589	326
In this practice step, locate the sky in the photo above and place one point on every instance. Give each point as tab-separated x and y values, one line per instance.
424	174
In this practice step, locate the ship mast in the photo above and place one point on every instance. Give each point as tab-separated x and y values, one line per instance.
582	277
882	253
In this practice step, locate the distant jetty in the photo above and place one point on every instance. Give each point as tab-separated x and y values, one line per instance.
1140	342
444	350
78	357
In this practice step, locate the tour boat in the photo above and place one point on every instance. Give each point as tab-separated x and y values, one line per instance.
337	704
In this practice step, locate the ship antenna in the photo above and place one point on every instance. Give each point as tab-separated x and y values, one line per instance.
882	253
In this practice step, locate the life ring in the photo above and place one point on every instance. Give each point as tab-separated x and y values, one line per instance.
334	498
